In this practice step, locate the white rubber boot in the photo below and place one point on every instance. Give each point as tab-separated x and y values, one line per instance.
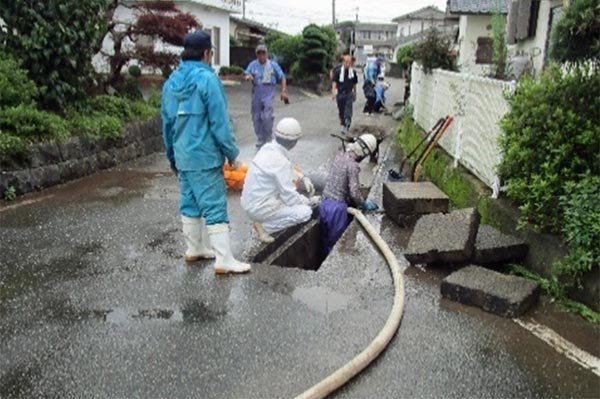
262	234
225	262
196	240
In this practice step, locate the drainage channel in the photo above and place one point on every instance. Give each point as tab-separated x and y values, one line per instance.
301	248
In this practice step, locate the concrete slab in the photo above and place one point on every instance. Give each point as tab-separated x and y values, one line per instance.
493	247
444	238
402	200
504	295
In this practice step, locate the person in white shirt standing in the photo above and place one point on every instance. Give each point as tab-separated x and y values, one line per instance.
270	197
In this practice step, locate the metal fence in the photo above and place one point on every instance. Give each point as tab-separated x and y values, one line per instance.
477	105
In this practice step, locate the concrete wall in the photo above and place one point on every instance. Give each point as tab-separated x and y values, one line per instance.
411	27
476	103
535	47
470	28
209	18
49	164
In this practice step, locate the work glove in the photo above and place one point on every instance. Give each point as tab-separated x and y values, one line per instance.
308	186
369	206
314	200
234	165
173	167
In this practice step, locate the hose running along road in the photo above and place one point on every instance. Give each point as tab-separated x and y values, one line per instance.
371	352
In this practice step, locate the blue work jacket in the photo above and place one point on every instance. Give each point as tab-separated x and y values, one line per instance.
258	70
196	128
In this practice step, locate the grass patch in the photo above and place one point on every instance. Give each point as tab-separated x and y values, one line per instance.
553	288
438	169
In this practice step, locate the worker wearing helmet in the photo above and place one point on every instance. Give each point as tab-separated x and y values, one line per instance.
343	188
270	197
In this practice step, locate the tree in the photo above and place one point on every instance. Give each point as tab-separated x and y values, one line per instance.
286	49
317	50
405	56
154	19
55	42
499	45
576	37
434	52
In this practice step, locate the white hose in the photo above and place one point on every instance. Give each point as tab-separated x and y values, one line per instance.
370	353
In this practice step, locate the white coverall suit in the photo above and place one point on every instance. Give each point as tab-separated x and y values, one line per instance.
269	195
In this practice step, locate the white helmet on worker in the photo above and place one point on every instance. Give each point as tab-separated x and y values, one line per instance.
364	145
288	129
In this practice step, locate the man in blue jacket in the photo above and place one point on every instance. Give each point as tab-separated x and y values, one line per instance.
198	139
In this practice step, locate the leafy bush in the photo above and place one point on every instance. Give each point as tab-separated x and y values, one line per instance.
405	56
154	100
232	70
317	51
32	124
286	49
134	71
96	126
581	229
56	41
10	145
112	106
576	37
130	89
434	52
550	137
499	45
15	86
143	111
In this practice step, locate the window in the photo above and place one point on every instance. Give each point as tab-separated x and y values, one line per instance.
485	50
533	17
217	43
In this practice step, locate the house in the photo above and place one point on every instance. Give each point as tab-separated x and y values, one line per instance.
475	48
213	16
364	40
249	33
413	27
529	27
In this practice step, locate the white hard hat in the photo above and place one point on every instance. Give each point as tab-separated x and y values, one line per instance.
289	129
364	145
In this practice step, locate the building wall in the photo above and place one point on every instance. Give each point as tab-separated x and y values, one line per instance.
411	27
470	28
535	47
209	17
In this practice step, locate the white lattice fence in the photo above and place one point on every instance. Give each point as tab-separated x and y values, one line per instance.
477	105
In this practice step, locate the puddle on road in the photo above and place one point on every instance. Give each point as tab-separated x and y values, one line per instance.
322	300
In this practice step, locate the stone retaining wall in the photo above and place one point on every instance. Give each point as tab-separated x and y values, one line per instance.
49	164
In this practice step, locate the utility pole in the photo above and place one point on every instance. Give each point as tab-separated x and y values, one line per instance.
333	13
243	9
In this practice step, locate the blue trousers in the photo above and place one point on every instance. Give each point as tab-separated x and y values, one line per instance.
334	221
204	195
262	111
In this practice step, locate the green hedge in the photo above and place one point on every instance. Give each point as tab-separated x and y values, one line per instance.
96	126
551	136
15	86
10	145
232	70
32	124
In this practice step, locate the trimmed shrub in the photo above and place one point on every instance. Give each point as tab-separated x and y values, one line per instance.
434	52
143	111
232	70
32	124
316	51
285	50
112	106
405	56
551	137
15	86
134	71
96	126
576	37
10	145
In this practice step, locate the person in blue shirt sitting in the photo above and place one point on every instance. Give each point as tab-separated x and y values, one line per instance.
380	90
264	74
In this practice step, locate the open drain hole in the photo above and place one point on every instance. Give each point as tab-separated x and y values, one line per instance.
300	247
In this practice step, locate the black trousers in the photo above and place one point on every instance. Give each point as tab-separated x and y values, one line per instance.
344	104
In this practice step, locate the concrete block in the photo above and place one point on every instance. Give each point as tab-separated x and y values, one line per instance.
493	246
444	238
504	295
406	199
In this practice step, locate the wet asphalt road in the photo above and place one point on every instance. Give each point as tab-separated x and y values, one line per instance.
96	301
